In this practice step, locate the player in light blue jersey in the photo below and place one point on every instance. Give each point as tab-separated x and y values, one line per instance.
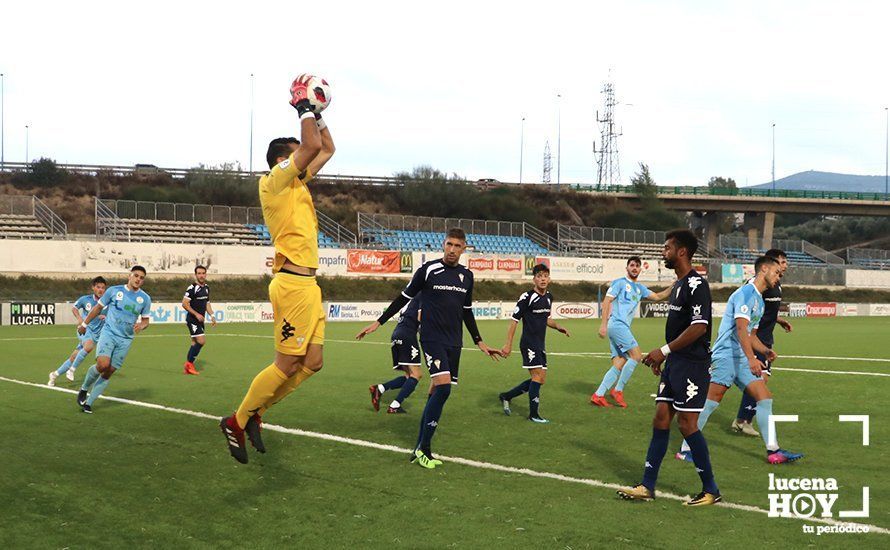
127	310
734	360
619	308
87	341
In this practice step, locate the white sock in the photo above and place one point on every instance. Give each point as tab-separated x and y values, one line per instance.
380	388
395	404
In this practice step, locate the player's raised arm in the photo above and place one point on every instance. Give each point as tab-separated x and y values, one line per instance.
660	296
327	147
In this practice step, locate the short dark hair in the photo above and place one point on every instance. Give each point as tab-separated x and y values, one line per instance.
634	259
776	253
99	280
279	147
138	268
197	267
540	268
456	233
764	260
685	239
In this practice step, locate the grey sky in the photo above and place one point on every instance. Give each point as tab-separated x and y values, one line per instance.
447	84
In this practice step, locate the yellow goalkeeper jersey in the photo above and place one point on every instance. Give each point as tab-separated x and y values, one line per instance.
290	215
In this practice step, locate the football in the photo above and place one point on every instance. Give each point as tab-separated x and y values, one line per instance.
319	94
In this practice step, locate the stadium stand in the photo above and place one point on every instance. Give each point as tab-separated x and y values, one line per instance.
395	232
27	217
198	223
606	242
869	258
800	252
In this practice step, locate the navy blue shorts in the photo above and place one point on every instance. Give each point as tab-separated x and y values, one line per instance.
767	368
533	358
196	327
405	352
442	360
684	384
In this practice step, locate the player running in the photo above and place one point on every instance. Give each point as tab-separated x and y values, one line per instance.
127	312
296	297
772	298
533	309
447	288
619	307
81	309
734	360
405	357
684	378
197	303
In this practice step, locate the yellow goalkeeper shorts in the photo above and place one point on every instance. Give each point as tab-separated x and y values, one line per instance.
298	311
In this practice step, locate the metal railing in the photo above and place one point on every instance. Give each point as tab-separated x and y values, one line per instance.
870	258
336	231
578	232
369	223
30	205
729	242
754	192
50	220
182	212
108	224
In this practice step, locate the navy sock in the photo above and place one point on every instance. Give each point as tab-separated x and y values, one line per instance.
407	389
534	398
658	446
518	390
747	408
395	383
193	352
431	415
702	459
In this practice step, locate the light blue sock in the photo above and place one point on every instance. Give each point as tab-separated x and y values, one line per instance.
64	368
626	373
609	379
710	407
81	355
90	378
764	410
97	390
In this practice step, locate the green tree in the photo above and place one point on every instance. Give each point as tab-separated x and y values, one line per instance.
723	186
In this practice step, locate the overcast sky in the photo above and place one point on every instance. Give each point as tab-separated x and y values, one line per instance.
447	83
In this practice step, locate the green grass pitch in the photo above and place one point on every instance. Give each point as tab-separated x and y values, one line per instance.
133	476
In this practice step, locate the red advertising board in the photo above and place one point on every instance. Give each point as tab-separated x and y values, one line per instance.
509	264
373	261
480	264
821	309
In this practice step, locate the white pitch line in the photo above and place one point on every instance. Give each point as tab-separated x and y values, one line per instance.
451	459
554	353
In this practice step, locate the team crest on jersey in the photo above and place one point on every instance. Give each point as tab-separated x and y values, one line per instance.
139	299
696	310
119	295
627	287
661	387
461	277
694	283
744	308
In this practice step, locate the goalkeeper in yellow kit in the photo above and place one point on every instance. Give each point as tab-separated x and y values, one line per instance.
296	298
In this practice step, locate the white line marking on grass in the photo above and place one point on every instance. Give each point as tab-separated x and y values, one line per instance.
555	353
451	459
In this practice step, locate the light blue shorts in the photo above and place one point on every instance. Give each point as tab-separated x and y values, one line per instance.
728	370
114	347
88	335
621	340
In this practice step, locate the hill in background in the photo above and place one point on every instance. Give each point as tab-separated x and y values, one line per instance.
812	180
